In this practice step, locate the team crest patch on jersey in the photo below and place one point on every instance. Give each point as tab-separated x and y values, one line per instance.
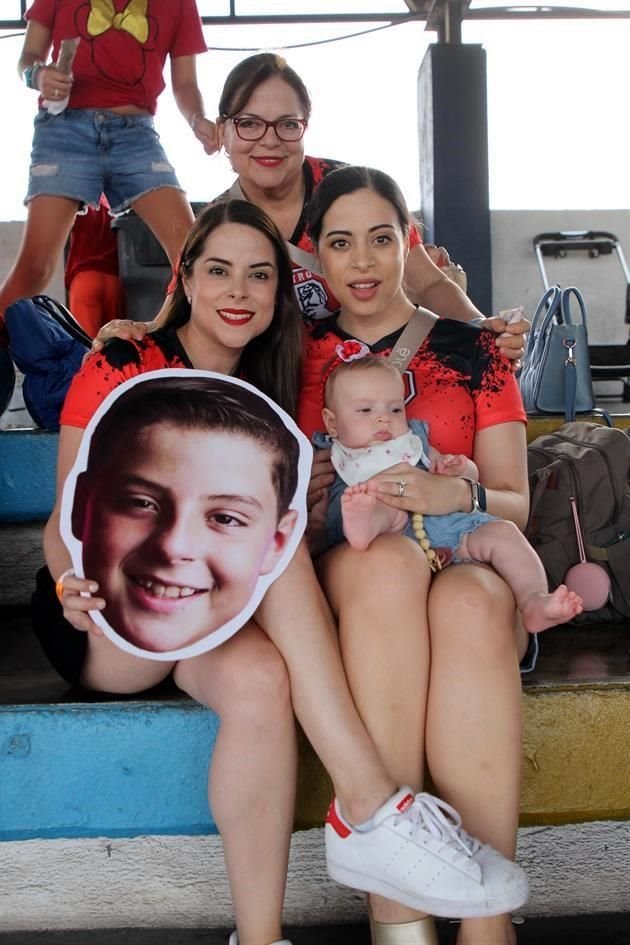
313	296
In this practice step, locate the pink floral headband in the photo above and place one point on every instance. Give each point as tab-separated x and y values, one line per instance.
349	350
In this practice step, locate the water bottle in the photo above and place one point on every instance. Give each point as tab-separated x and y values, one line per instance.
67	52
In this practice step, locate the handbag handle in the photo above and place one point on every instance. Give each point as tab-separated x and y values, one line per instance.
570	364
547	308
565	306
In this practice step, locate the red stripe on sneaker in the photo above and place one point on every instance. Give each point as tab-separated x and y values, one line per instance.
406	803
335	821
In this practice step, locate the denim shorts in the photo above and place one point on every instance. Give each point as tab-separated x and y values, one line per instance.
82	153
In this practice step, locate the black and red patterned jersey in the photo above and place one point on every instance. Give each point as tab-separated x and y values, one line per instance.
119	361
457	381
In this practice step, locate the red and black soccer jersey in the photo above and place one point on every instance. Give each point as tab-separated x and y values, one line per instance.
457	381
119	361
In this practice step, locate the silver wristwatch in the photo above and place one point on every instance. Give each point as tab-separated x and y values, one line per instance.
477	495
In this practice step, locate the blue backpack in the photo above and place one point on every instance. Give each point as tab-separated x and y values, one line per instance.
48	345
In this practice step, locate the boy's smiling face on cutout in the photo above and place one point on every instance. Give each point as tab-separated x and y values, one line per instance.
178	535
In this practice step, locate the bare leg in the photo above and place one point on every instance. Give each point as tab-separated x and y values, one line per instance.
48	224
474	716
251	783
107	668
253	773
364	517
503	545
169	216
295	616
379	597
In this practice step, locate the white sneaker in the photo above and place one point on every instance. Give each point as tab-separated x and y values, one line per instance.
418	854
234	940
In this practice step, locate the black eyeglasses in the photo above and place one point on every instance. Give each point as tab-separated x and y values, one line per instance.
253	129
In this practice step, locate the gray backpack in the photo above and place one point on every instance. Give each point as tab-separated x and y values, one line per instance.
592	463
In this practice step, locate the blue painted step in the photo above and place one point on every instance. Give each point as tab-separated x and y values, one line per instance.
27	474
105	769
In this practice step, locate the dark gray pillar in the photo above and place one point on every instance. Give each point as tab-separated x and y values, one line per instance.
453	130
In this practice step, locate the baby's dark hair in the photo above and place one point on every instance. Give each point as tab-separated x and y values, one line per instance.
337	368
197	403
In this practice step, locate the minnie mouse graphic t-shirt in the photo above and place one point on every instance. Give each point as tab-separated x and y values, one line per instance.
124	44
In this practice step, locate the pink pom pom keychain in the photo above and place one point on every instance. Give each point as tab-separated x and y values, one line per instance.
587	579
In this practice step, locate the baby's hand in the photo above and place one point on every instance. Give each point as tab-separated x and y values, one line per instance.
450	464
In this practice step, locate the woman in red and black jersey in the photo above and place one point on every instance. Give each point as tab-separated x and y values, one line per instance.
432	664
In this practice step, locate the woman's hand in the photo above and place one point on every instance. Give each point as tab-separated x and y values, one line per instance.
422	491
322	476
53	84
77	599
510	333
205	131
120	328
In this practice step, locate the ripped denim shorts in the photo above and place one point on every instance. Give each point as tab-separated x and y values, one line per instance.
82	153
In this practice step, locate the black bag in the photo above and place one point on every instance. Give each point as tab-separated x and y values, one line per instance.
591	463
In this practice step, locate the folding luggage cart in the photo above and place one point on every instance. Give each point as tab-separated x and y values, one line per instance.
608	362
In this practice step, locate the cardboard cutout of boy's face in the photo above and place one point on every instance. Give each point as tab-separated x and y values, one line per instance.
181	529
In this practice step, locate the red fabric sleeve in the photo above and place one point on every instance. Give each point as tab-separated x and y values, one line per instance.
42	11
498	398
189	39
90	387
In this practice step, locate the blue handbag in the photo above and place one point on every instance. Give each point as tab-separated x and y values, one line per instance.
556	372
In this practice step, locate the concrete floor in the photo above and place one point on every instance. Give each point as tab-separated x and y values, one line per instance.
579	930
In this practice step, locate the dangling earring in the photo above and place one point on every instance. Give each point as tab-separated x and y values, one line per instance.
189	299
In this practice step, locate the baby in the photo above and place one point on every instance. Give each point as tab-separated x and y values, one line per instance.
368	432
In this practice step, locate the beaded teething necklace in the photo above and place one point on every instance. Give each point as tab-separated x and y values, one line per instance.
417	523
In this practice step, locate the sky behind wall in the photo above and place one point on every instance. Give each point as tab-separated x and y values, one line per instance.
557	95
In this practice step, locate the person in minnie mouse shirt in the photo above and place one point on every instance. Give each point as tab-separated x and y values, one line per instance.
104	140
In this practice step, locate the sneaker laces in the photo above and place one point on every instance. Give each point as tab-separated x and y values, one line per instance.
442	821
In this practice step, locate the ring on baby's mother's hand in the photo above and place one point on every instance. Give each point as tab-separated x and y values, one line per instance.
402	485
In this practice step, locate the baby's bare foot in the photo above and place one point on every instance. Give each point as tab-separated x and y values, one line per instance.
359	520
542	611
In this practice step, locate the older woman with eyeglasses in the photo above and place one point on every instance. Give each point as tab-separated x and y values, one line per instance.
264	112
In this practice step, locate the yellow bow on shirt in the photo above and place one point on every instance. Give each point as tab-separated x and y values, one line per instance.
133	18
